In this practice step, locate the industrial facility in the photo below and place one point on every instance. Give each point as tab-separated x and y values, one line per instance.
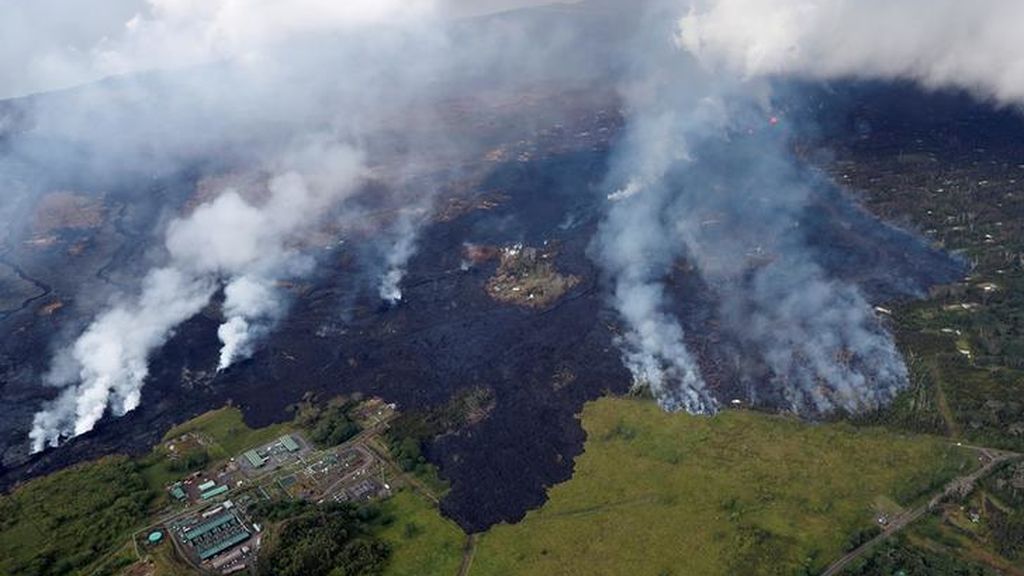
214	537
272	456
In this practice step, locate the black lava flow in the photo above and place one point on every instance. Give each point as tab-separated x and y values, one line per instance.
448	336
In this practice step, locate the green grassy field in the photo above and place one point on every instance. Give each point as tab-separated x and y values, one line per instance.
227	431
422	542
740	493
224	434
117	562
654	493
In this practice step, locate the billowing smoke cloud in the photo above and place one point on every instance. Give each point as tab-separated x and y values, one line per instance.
251	306
636	247
52	44
228	241
939	43
705	175
109	361
245	85
179	33
59	45
819	338
700	175
401	250
738	209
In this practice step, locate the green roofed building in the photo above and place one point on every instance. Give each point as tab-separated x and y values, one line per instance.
223	545
210	525
177	493
289	443
216	535
155	537
206	485
214	492
255	459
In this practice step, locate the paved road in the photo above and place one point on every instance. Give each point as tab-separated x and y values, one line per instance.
961	485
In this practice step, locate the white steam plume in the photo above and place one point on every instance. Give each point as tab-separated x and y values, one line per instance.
708	178
54	44
397	259
820	339
275	71
110	359
634	244
225	241
939	43
818	336
251	306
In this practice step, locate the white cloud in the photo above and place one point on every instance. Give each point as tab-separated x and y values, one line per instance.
55	44
939	43
176	33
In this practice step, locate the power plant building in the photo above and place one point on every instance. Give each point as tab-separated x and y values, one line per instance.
214	492
216	535
254	459
289	443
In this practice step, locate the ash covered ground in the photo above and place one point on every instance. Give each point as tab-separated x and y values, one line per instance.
537	185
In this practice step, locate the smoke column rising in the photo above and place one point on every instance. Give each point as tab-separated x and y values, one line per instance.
697	151
632	246
819	336
247	84
401	250
251	306
739	209
703	175
110	359
227	241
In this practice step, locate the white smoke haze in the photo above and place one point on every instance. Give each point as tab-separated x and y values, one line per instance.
823	342
632	247
738	210
108	363
183	33
53	44
245	82
635	243
255	79
227	241
939	43
391	285
706	178
61	45
402	249
251	307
